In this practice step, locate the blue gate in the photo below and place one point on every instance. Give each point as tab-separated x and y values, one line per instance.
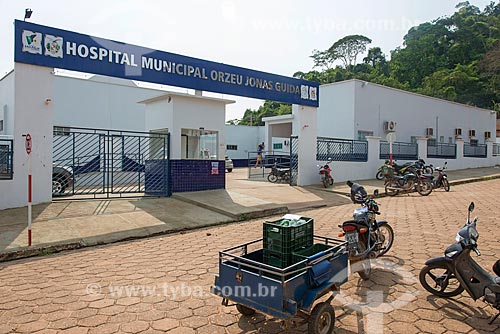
97	163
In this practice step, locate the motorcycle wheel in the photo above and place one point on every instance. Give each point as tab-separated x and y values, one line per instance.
330	180
379	175
437	278
446	185
387	234
325	182
391	184
424	188
272	178
363	268
428	170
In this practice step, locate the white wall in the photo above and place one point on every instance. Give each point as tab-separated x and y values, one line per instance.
7	103
195	113
100	102
159	115
413	113
247	138
32	86
336	110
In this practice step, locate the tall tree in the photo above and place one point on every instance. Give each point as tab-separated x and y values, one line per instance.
348	48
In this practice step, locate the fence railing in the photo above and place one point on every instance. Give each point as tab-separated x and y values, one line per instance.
496	150
336	149
400	151
475	151
6	161
442	150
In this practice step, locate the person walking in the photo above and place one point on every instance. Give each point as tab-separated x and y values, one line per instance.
259	156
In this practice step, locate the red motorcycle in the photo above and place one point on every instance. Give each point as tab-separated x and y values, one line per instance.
326	174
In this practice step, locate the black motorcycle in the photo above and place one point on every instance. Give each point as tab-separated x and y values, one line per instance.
367	238
441	181
278	174
456	271
409	182
395	169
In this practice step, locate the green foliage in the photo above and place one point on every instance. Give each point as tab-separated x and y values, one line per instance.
455	58
268	109
348	48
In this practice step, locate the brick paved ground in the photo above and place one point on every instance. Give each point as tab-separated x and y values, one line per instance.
70	292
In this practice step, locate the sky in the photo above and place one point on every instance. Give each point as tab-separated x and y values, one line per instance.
271	36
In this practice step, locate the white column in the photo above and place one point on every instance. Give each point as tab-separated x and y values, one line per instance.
460	150
422	147
34	101
305	127
373	162
490	161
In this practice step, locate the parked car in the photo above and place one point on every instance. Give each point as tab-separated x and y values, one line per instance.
62	178
229	164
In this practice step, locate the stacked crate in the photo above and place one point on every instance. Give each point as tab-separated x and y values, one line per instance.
284	236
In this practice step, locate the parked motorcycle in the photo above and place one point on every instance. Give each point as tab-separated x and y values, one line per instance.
421	166
406	168
278	174
441	180
367	238
408	182
386	169
326	174
456	271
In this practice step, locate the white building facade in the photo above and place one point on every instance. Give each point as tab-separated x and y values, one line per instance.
356	109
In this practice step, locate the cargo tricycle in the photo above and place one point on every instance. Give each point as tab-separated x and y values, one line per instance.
283	293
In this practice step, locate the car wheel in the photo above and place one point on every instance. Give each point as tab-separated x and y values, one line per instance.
58	184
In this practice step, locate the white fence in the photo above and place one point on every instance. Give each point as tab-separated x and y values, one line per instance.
347	170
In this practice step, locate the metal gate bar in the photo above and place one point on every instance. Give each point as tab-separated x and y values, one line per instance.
100	163
294	160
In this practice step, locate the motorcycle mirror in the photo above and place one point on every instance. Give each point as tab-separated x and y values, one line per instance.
471	206
445	163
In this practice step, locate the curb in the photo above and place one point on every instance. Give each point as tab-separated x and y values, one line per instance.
47	249
239	216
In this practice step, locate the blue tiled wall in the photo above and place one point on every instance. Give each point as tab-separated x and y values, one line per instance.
196	175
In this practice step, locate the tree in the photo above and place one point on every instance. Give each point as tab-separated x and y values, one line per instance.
323	58
375	57
348	48
268	109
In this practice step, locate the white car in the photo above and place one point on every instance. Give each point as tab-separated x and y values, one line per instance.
229	164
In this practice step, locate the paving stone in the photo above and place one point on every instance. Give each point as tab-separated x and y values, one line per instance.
105	329
32	326
422	226
165	324
135	327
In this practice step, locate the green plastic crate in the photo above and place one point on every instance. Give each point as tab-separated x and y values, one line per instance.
280	241
286	239
276	259
309	252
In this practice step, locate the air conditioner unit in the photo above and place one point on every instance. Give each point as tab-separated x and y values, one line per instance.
429	132
487	135
472	133
390	126
458	132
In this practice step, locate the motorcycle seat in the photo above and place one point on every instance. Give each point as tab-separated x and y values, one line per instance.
355	222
